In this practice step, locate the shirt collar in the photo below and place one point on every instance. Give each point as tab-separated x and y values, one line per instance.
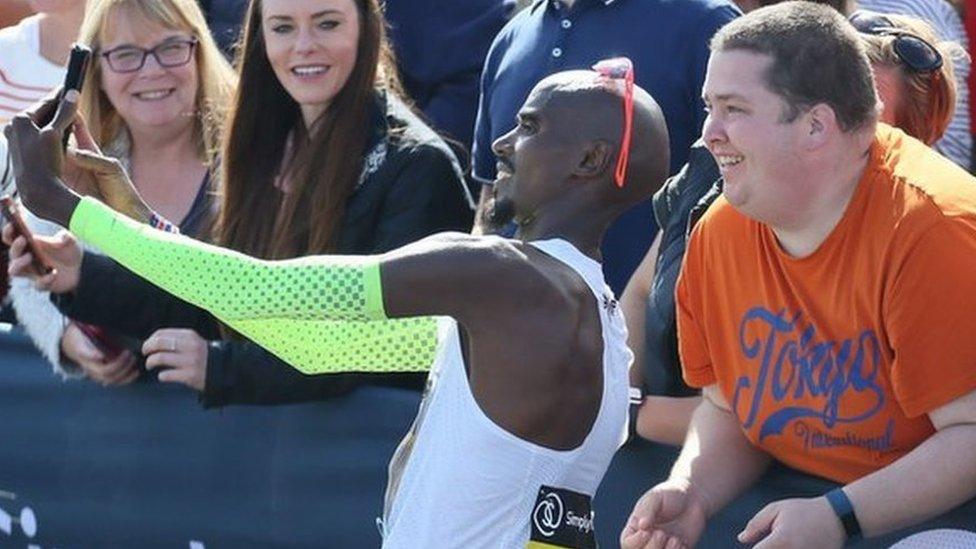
603	2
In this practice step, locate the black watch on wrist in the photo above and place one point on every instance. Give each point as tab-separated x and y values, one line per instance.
844	509
636	399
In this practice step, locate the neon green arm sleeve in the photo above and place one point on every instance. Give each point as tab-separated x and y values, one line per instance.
311	346
231	285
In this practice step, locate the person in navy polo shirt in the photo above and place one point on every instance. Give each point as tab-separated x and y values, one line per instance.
668	44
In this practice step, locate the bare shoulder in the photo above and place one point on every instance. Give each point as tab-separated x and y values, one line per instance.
470	277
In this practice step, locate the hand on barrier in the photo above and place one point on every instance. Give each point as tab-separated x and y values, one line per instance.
76	347
182	355
670	515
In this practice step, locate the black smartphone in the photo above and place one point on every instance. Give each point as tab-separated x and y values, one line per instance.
74	79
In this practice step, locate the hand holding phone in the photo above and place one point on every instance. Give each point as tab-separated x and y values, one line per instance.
12	214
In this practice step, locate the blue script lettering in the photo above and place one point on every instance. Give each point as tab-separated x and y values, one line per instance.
793	364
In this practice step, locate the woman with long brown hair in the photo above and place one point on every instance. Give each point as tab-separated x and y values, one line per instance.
321	155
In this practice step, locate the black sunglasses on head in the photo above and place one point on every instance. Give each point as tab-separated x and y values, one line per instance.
914	51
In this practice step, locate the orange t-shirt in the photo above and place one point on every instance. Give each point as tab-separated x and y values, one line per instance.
832	361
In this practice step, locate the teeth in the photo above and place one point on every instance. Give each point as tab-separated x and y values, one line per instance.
305	71
150	95
728	160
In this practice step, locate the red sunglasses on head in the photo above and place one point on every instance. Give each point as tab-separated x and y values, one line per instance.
623	69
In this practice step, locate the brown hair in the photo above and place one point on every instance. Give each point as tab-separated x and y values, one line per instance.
217	79
817	58
256	217
928	100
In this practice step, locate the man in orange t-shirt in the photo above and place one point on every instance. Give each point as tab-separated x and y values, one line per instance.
827	303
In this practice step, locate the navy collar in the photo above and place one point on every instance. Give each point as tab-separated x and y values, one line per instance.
554	2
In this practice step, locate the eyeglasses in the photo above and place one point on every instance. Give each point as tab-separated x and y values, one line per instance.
170	54
621	68
914	51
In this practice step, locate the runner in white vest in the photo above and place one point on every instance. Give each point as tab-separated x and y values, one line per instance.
528	392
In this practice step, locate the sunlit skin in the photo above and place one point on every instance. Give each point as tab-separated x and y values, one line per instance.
889	81
154	99
312	47
755	149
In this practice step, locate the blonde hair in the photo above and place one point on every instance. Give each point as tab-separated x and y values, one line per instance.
928	99
217	79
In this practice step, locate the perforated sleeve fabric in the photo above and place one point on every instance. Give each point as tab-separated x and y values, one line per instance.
341	346
231	285
312	346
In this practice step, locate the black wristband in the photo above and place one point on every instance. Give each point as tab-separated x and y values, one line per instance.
636	398
845	512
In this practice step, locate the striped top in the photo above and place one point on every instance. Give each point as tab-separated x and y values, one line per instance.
956	144
25	76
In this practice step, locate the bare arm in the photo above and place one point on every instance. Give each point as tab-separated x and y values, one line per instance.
633	303
942	473
717	459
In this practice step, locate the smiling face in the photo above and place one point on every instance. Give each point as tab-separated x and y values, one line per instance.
757	152
154	97
534	159
312	47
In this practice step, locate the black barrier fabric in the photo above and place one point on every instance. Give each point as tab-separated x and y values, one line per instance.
144	466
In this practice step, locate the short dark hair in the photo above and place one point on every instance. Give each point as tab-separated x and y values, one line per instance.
817	55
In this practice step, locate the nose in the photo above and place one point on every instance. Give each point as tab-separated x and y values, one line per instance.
305	41
713	131
151	65
502	147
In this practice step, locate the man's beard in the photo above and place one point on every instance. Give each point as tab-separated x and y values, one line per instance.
502	212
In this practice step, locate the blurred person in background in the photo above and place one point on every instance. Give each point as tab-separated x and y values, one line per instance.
157	89
321	155
34	53
12	11
956	144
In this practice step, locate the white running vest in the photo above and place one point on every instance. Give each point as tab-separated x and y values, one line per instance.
460	480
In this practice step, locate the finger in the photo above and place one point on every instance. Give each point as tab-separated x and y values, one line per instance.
636	539
120	365
759	526
162	341
166	359
658	539
83	136
43	109
176	375
673	543
85	351
18	246
61	241
91	161
131	375
65	115
45	283
9	234
21	266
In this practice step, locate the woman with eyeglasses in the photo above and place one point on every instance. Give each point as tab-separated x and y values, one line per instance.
913	71
321	155
155	92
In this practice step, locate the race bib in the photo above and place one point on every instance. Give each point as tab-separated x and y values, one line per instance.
561	518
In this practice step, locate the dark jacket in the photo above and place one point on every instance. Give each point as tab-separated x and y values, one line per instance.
412	187
677	207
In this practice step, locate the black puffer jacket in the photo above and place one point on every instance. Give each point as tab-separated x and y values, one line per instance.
677	207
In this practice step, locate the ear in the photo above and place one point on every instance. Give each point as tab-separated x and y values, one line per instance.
820	125
596	159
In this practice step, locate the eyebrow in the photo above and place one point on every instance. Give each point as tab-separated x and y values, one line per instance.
724	97
171	38
315	15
